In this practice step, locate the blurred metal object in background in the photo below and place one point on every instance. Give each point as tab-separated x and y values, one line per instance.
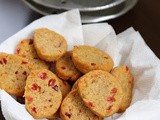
82	5
87	16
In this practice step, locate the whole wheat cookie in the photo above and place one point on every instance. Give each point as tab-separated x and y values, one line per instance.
87	58
42	94
26	49
50	46
101	92
73	108
13	73
65	68
124	76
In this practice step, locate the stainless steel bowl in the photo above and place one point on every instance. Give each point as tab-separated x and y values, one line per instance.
82	5
90	16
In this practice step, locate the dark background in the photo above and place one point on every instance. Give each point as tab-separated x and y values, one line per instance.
144	17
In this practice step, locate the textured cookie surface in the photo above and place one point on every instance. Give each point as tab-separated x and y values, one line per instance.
101	92
50	46
124	76
42	94
65	68
87	58
26	49
73	108
13	73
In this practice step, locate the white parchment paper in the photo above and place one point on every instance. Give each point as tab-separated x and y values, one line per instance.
127	48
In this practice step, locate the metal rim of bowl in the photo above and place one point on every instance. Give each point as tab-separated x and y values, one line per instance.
100	19
82	9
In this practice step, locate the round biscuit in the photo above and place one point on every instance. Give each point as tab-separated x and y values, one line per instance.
125	78
42	93
73	108
50	46
101	92
13	73
87	58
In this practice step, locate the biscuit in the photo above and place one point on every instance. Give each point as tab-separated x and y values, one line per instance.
65	68
64	87
73	108
26	49
124	76
101	92
87	58
13	73
42	93
50	46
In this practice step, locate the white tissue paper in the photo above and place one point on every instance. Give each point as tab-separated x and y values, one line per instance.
127	48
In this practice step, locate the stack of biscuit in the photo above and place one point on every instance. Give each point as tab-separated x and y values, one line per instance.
53	82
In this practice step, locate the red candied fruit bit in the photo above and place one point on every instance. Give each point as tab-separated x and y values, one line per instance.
114	90
90	104
34	86
24	62
68	115
1	62
34	110
63	68
55	88
110	99
42	75
24	73
30	42
80	110
18	50
126	68
51	82
5	61
16	72
30	99
109	107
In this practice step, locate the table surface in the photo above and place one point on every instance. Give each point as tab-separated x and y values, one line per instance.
144	17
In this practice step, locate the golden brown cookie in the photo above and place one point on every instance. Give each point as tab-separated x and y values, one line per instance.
26	49
42	93
101	92
124	76
50	46
65	68
87	58
73	108
13	73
